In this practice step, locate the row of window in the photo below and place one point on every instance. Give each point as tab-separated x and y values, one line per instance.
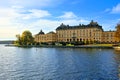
84	35
80	30
68	40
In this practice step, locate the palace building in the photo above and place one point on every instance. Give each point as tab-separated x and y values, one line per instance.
49	37
109	37
92	32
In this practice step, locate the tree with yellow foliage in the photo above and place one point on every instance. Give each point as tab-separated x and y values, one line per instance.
25	39
117	33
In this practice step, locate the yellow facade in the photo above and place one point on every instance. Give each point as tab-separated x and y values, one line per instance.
49	37
109	37
90	32
65	33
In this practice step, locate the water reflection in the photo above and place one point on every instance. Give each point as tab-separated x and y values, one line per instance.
117	57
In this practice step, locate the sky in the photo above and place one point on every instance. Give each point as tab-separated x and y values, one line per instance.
17	16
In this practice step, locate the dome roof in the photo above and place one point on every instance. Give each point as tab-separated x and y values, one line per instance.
41	32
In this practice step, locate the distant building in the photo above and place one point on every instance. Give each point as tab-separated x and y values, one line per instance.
108	37
92	32
49	37
40	37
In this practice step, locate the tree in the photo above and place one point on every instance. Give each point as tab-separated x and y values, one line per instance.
18	41
117	33
25	39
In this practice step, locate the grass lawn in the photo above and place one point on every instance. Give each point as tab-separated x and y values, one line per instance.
109	45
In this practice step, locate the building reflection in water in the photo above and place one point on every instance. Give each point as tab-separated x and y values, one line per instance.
117	57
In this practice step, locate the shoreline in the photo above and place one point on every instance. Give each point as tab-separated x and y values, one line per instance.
54	46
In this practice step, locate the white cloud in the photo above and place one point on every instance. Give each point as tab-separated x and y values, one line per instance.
15	19
8	28
111	26
34	13
68	15
17	7
108	27
84	21
116	9
7	12
107	10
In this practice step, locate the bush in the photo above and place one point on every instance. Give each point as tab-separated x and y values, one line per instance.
63	43
44	43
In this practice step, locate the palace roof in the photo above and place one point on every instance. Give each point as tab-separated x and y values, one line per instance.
92	24
41	32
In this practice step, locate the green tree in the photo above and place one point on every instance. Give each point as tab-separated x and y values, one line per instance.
25	39
117	33
18	41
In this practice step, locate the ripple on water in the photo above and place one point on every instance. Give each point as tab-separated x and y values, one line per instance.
58	64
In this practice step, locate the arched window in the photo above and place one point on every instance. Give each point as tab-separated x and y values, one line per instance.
80	39
67	40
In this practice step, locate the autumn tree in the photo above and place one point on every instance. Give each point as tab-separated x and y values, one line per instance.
117	33
18	41
25	39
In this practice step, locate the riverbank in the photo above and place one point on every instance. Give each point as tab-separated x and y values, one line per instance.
55	46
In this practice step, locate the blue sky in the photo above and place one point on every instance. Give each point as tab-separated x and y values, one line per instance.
34	15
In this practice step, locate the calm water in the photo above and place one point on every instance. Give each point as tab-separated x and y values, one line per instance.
58	64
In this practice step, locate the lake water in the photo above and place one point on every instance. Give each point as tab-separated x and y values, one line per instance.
58	64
